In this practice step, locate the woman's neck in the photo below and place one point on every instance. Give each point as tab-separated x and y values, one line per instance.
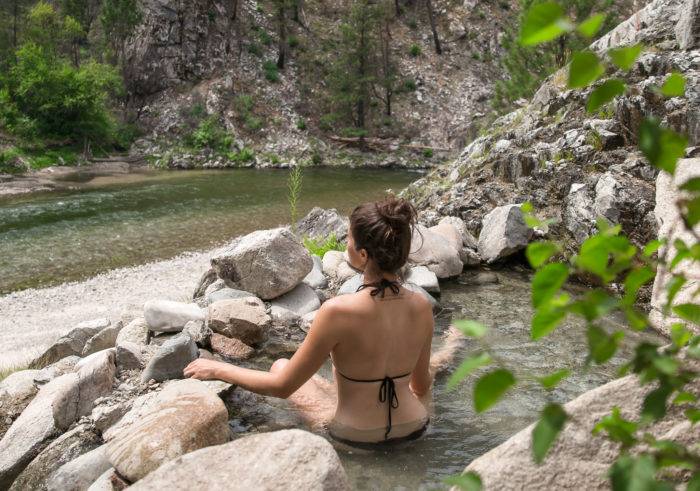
377	276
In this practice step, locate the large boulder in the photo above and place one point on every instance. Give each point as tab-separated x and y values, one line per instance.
672	228
16	392
71	343
79	473
106	338
321	223
423	277
468	239
434	251
286	459
267	263
58	404
503	233
688	26
241	318
170	316
579	459
301	300
171	359
183	417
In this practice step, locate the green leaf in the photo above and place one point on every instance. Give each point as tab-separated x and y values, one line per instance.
552	380
595	304
693	212
467	367
636	473
585	69
693	415
654	405
692	185
635	280
625	57
489	389
542	23
545	432
661	146
601	345
545	320
674	86
689	312
547	281
470	328
651	247
685	397
604	93
592	25
673	286
666	364
538	253
466	482
617	428
680	335
694	483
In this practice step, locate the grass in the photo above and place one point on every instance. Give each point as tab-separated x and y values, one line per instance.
320	246
18	159
7	371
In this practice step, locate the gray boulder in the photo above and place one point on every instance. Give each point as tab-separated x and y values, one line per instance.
267	263
579	217
242	318
79	473
503	233
208	278
435	251
183	417
301	300
129	356
106	338
330	262
106	481
286	459
171	359
321	223
170	316
71	343
468	239
199	332
423	277
283	315
135	332
55	370
16	392
688	26
316	278
226	294
351	285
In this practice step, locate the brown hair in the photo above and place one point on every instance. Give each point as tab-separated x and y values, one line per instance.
384	230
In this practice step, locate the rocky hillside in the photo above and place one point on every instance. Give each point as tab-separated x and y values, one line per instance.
573	166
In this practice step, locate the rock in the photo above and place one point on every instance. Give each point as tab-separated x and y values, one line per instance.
242	318
297	458
431	250
108	413
105	481
70	344
61	367
56	406
226	294
688	26
283	316
578	459
344	271
183	417
128	356
231	348
171	359
106	338
79	473
169	316
450	233
671	227
307	320
316	278
267	263
16	391
351	285
135	332
423	277
503	233
199	332
219	387
468	239
62	450
469	257
579	217
428	296
331	262
605	203
320	223
205	282
301	300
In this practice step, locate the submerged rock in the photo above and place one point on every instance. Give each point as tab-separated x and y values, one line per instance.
183	417
242	318
301	300
299	459
503	233
169	316
267	263
171	359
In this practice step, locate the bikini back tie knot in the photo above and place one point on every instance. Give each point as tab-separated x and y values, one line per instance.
379	287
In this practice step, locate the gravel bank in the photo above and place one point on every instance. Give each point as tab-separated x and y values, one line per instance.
32	319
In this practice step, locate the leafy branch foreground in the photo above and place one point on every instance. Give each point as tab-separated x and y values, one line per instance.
609	257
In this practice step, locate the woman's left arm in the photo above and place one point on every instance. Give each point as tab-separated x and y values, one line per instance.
319	342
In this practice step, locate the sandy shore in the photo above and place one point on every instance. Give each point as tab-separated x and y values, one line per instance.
32	319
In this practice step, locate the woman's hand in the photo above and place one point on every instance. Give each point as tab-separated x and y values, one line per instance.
203	369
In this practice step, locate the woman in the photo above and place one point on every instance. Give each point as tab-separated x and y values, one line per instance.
379	340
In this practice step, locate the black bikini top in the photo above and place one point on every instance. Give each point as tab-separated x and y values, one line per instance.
387	389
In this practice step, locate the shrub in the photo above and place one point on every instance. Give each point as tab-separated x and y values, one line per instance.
210	134
253	123
414	50
352	132
301	124
271	71
319	246
409	85
292	41
254	49
428	153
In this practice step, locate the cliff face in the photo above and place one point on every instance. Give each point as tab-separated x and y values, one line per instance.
571	165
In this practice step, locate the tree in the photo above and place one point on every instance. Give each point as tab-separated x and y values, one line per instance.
387	75
119	18
433	27
281	14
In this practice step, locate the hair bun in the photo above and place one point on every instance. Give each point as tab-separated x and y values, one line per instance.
396	211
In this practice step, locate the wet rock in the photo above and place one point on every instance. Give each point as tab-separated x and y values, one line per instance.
128	356
503	233
298	458
171	359
242	318
423	277
231	348
431	250
183	417
321	223
316	278
301	300
79	473
16	391
688	26
106	338
70	344
169	316
226	294
62	450
56	406
267	263
135	332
